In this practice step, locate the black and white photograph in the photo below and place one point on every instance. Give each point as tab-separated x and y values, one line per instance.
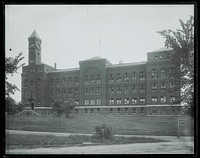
99	79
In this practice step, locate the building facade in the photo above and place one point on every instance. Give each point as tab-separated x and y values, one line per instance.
100	87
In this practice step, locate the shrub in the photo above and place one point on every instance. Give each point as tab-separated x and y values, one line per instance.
103	132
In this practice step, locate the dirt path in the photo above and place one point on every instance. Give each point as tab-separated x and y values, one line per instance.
183	145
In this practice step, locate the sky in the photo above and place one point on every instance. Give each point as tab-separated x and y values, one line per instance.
72	33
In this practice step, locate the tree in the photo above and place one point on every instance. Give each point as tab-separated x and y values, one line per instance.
62	108
182	42
58	109
11	67
12	107
68	108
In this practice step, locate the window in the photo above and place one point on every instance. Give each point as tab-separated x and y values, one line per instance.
76	111
26	94
142	88
76	102
142	100
64	92
156	57
134	100
126	89
63	81
98	90
142	110
52	81
161	57
57	92
163	73
57	81
76	81
111	90
86	78
98	101
119	101
163	85
126	77
31	82
154	111
154	86
118	110
163	99
98	110
86	111
26	82
76	90
92	92
119	78
154	74
154	99
70	82
111	110
92	102
92	79
98	79
111	101
134	76
119	90
126	100
173	110
111	78
172	99
38	82
142	76
86	91
86	102
126	110
133	110
133	89
92	111
171	85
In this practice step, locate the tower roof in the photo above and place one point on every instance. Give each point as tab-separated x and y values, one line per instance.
34	34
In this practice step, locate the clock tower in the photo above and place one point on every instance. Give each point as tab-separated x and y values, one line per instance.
34	49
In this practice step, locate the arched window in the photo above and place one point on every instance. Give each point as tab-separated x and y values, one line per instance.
111	78
134	76
98	78
76	80
126	77
154	74
119	78
86	78
163	73
142	76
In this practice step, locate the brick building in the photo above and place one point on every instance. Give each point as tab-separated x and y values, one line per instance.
100	87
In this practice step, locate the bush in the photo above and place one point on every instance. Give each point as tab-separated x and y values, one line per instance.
103	132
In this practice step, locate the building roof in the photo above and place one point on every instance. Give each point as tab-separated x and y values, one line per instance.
34	34
65	70
127	64
94	58
163	49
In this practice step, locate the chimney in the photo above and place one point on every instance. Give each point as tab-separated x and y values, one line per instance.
55	66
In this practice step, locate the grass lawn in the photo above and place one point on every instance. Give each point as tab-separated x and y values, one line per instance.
141	125
33	141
